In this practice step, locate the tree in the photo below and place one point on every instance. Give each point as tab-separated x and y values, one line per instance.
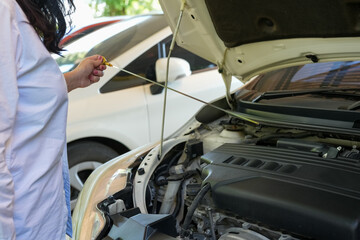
121	7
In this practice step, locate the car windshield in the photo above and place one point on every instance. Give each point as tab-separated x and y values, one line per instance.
309	76
79	32
111	41
326	94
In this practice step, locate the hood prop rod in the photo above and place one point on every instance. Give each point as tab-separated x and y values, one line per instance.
167	75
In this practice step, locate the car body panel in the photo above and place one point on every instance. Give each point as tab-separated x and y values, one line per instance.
84	217
179	107
129	105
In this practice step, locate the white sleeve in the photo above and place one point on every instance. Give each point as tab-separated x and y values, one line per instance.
8	103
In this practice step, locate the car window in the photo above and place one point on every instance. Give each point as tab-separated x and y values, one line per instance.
145	66
82	32
196	63
121	42
111	41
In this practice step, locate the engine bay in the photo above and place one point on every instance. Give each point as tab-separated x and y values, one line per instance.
231	180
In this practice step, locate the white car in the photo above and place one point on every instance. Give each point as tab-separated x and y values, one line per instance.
122	112
280	161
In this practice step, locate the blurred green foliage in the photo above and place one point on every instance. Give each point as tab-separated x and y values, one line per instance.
122	7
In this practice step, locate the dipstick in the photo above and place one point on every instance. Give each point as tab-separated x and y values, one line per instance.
232	113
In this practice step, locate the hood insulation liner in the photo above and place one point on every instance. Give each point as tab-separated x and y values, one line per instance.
240	22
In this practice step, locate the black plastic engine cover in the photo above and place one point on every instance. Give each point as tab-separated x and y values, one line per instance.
288	190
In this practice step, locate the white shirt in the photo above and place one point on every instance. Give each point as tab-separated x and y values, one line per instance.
33	108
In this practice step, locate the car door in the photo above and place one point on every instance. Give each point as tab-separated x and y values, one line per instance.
204	83
128	92
120	110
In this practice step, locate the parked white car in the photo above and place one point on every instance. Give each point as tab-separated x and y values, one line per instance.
122	112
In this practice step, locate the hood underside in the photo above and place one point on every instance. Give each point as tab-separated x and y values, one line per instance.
245	38
241	22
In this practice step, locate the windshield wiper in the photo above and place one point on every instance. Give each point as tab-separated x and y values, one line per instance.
281	94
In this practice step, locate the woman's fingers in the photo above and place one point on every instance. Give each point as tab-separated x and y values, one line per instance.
94	78
101	67
98	73
95	75
98	68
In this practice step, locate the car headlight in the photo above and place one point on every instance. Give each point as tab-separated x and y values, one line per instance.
102	183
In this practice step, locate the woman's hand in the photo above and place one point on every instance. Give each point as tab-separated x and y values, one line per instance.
89	71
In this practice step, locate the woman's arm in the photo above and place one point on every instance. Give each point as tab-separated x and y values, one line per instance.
86	73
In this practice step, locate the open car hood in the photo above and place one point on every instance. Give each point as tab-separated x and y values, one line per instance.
246	38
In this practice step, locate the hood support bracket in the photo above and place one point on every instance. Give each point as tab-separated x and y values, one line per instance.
226	78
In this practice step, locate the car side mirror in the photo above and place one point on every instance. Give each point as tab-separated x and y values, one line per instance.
178	68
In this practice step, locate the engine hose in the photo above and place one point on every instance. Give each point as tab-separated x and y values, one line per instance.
172	161
187	175
193	207
178	201
160	169
166	171
212	226
154	210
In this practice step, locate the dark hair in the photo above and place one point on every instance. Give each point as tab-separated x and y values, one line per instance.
48	19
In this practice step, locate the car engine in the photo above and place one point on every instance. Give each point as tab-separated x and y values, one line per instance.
286	188
231	180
